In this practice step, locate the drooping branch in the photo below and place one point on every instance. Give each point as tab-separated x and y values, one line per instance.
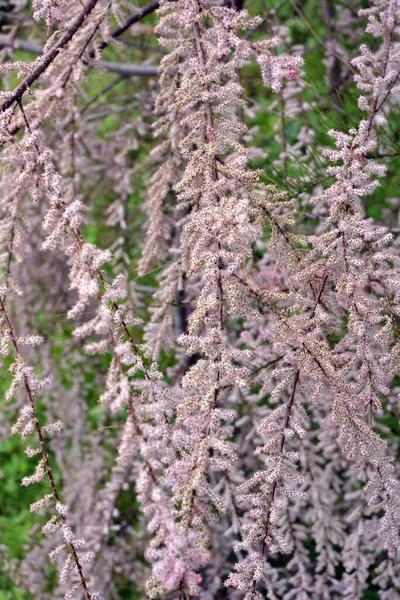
26	377
49	57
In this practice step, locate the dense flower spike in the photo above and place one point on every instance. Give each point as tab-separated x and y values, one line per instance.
216	191
222	418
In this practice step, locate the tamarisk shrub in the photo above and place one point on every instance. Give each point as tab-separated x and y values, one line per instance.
199	334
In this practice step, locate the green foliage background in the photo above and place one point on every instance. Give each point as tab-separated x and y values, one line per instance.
16	522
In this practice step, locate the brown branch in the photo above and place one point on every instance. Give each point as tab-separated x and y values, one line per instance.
49	57
146	10
124	69
319	294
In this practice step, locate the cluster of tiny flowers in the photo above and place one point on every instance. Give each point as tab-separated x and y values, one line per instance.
28	425
264	436
331	275
49	11
221	200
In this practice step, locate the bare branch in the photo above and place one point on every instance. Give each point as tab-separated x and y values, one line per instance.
114	67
